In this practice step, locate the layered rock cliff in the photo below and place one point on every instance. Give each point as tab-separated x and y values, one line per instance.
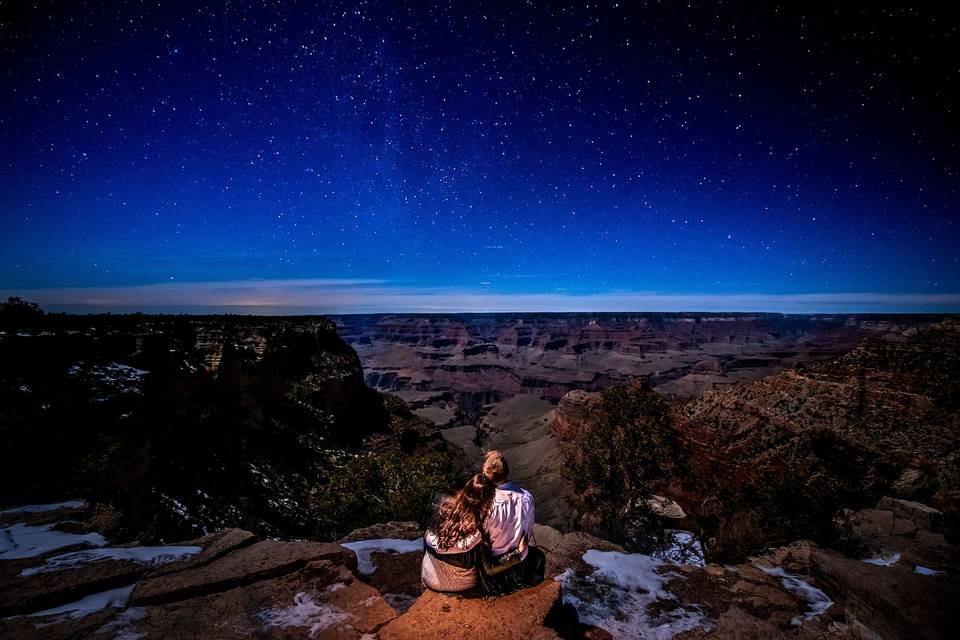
787	451
186	425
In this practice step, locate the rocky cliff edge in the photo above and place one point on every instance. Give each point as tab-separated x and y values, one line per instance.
59	579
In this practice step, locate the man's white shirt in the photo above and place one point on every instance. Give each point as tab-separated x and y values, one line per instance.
511	515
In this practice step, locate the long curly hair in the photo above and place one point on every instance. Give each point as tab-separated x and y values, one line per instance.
462	514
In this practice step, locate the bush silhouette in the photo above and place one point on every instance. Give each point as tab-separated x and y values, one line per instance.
629	450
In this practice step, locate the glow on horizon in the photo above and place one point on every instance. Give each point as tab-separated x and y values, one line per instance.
345	296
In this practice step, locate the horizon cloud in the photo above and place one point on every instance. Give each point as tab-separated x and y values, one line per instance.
345	296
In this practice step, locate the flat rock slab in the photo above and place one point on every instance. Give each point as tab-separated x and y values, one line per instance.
260	561
518	615
20	594
321	601
214	545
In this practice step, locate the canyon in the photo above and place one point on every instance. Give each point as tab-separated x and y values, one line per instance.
522	382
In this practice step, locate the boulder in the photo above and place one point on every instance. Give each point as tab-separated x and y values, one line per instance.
665	508
912	483
523	614
893	601
910	529
392	530
920	515
565	550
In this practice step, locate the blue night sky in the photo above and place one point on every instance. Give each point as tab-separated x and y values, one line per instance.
470	156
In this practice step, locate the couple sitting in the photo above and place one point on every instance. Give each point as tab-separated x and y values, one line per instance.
480	538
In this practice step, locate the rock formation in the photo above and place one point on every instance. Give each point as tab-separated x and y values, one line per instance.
135	412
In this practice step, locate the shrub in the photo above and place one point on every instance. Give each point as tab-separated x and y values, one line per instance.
383	486
629	449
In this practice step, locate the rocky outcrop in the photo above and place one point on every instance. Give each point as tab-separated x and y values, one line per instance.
260	561
133	412
231	585
225	585
519	615
888	601
884	593
574	413
841	432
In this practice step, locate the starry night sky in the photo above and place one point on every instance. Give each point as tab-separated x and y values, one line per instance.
521	151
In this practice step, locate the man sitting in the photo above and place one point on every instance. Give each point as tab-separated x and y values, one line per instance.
509	521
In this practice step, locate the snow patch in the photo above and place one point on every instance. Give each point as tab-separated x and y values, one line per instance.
683	548
305	613
122	626
366	548
43	508
884	561
926	571
95	602
109	380
815	598
27	541
139	555
617	595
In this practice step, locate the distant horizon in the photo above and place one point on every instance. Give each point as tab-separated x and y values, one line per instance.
359	297
291	313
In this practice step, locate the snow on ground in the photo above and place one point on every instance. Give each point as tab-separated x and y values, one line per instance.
683	548
43	508
140	555
109	380
26	541
95	602
925	571
884	561
305	613
616	596
366	548
815	598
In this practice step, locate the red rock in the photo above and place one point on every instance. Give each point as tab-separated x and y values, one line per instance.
573	413
519	615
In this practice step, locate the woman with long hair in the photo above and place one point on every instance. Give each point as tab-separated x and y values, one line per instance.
456	545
